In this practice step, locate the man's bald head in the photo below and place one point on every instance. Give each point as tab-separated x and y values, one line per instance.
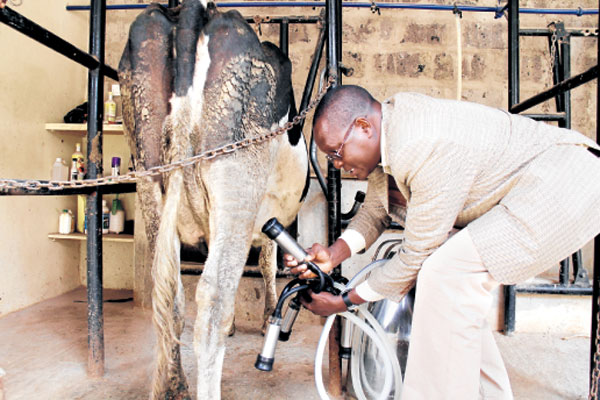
346	127
343	104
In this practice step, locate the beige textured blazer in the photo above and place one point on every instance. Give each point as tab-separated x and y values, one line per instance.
528	192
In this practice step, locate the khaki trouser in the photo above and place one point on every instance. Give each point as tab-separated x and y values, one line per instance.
452	353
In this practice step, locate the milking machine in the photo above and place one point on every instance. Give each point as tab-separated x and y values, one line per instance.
374	335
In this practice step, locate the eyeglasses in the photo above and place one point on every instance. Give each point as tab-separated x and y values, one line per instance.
337	155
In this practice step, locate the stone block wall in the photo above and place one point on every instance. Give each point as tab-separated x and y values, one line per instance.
417	50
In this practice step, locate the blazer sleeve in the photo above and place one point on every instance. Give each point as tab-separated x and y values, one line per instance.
439	176
372	218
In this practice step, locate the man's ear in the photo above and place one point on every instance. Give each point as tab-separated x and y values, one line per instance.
365	126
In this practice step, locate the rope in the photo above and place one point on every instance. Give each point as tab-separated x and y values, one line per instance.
132	176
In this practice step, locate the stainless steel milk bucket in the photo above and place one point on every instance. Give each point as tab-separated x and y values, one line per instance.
395	319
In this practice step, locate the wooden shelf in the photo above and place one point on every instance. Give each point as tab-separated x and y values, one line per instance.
107	129
109	237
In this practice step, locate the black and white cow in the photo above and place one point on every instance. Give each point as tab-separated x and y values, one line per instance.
194	79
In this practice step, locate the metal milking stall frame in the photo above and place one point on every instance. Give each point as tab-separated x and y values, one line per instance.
331	32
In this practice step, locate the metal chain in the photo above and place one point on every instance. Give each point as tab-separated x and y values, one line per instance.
161	169
596	372
553	40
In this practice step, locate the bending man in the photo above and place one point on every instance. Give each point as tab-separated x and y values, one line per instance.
523	195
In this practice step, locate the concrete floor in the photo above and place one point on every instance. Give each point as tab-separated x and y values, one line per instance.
43	350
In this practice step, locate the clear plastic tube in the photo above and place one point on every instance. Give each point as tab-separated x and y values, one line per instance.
389	378
375	333
355	362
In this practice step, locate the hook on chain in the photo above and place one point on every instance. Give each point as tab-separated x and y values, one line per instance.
457	11
258	20
375	8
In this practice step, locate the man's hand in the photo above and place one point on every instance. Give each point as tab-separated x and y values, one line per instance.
324	304
326	258
318	254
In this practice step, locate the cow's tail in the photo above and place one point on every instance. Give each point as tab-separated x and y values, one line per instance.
167	296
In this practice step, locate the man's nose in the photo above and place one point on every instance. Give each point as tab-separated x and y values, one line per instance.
338	163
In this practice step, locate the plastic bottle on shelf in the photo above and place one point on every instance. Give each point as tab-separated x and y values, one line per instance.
117	217
77	164
60	172
65	222
110	110
105	217
116	92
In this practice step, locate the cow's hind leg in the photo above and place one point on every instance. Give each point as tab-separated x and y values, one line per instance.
232	215
215	296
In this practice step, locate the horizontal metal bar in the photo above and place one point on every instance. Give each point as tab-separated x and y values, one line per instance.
49	39
296	19
104	189
554	289
593	32
438	7
547	117
562	87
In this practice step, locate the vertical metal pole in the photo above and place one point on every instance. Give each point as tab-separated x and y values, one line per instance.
94	201
565	52
596	277
557	65
561	71
513	53
333	174
513	98
284	34
563	273
334	22
510	300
